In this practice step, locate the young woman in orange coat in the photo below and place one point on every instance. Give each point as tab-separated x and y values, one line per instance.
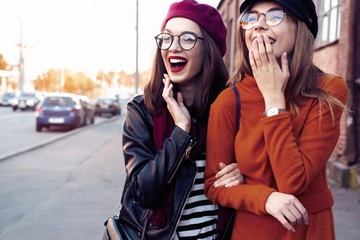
289	126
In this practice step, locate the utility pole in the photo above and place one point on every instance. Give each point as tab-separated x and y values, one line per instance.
137	48
21	61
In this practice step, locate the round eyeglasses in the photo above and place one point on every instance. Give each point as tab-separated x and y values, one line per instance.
187	40
273	17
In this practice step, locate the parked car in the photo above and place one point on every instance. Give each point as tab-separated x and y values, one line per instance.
60	109
25	100
5	99
107	105
89	109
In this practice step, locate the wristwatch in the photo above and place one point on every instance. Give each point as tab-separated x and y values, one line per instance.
271	111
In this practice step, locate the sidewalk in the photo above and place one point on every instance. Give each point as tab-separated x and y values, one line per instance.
346	213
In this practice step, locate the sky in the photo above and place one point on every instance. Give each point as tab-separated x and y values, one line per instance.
81	35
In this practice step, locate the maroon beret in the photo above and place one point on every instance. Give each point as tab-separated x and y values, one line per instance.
205	15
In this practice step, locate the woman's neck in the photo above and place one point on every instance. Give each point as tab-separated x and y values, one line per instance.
188	93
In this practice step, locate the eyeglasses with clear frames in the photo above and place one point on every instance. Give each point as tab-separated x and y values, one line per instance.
186	40
273	17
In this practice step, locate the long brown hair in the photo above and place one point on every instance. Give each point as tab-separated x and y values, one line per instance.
211	81
304	75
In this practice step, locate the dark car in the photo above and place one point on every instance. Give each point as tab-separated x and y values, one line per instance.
25	100
107	105
65	110
5	99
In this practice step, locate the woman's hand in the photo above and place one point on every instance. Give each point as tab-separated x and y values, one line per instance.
270	78
177	108
228	176
287	209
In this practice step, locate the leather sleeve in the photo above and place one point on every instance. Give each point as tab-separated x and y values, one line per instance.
149	172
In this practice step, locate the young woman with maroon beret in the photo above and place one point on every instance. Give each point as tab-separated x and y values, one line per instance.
164	131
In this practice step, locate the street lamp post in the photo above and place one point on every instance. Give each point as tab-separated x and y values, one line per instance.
137	48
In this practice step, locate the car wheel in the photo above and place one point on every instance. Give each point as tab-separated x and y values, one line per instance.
14	109
38	128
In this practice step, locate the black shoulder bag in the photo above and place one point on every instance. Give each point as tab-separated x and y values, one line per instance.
227	215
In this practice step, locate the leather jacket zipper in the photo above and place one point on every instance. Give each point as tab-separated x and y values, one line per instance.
185	155
187	196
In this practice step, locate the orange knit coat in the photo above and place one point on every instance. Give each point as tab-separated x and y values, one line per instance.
282	153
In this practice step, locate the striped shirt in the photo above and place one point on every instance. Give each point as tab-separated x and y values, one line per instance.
199	217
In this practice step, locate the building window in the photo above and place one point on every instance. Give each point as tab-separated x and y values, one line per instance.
329	21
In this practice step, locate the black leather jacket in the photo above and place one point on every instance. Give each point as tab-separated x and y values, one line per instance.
150	172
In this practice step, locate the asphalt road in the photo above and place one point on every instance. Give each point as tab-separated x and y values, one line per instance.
64	190
346	213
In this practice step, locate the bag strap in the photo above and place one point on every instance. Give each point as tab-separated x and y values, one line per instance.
229	213
238	106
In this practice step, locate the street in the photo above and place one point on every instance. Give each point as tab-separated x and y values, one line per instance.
66	189
347	213
18	131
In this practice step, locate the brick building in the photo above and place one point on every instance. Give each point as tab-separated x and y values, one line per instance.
337	52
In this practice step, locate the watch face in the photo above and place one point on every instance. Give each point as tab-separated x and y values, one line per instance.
272	111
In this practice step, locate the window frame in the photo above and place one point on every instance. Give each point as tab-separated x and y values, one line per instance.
326	21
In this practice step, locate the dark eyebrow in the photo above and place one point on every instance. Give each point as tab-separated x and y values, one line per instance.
168	31
273	8
165	30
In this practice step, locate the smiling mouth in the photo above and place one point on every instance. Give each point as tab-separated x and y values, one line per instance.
177	64
272	41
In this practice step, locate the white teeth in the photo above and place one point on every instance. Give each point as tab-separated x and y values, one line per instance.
177	60
272	41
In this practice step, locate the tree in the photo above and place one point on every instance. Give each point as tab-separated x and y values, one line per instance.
79	83
3	64
48	82
76	82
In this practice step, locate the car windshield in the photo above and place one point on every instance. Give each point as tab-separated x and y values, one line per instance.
28	95
58	101
9	94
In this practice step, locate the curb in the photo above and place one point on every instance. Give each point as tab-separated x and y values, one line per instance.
51	140
342	175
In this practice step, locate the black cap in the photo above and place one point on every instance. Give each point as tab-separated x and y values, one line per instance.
305	10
